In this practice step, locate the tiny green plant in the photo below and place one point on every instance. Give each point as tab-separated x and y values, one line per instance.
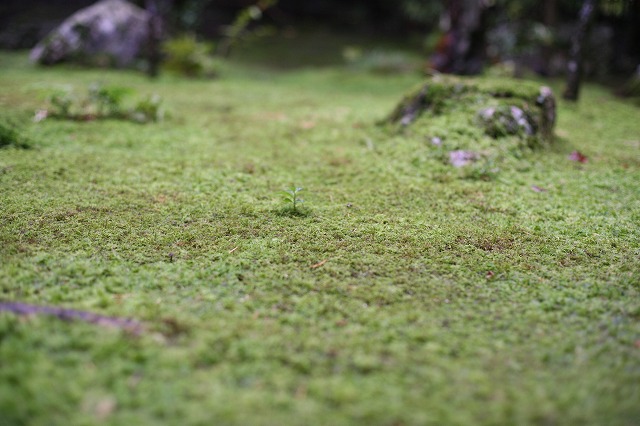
103	102
62	102
108	99
148	109
291	197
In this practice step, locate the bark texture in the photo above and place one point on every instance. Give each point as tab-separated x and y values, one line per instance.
575	66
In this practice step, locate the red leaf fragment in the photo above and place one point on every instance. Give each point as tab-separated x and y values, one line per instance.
578	156
490	274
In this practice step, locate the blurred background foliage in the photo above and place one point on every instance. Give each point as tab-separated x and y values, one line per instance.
517	35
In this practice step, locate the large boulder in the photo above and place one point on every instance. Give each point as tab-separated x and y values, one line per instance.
110	32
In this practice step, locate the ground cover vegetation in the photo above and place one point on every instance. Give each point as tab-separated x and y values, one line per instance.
405	291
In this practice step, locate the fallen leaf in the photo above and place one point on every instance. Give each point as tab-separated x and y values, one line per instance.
536	188
301	392
462	158
489	275
105	407
134	380
319	264
271	116
120	297
40	115
578	156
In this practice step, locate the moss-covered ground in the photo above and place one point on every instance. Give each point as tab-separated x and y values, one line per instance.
445	297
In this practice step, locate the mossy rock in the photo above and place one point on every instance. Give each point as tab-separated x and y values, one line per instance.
488	124
488	118
501	108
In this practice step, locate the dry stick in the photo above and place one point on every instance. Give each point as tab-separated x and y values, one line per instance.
319	264
18	308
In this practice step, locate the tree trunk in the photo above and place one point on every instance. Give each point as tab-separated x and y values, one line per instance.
156	9
549	19
574	72
550	13
630	46
461	49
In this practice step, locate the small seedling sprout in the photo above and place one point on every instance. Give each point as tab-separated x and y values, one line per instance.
291	197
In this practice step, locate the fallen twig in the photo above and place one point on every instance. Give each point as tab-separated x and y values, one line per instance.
19	308
319	264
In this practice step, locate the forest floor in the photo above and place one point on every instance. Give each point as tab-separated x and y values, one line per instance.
403	292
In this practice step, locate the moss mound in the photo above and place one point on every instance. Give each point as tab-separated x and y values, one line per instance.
479	118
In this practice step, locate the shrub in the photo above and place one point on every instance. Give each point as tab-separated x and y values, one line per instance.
380	61
10	135
187	56
108	99
148	109
103	102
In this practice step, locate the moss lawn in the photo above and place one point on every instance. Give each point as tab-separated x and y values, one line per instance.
404	291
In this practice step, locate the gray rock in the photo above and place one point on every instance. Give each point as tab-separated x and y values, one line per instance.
111	31
508	119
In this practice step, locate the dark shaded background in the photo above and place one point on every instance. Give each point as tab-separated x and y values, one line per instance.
615	39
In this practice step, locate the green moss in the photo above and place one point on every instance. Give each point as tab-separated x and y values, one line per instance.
444	299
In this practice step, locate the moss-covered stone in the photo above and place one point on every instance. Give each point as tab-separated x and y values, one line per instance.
503	108
484	119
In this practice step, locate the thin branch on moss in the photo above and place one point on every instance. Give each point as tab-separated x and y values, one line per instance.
126	324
